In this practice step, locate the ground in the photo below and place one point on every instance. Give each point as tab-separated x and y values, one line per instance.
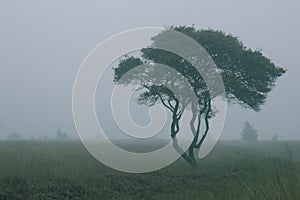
233	170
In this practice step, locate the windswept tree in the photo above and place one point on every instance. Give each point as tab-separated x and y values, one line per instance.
247	74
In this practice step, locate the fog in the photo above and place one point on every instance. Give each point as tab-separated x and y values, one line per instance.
43	43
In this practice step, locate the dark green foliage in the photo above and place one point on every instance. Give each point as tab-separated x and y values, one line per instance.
125	66
247	74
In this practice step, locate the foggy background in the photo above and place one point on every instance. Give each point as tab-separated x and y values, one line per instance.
43	43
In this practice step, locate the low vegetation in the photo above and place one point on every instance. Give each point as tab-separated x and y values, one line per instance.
233	170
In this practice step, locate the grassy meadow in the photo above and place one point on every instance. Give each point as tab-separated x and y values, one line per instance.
233	170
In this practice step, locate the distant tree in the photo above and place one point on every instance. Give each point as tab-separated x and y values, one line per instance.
247	74
275	137
249	134
61	135
13	136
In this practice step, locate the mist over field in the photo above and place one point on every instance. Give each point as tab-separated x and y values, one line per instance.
44	43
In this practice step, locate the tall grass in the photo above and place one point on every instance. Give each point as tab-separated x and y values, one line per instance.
65	170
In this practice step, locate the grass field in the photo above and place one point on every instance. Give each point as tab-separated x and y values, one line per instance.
233	170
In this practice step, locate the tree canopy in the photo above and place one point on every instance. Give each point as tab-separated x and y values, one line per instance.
249	134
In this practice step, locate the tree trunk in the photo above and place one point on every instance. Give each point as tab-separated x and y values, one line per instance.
193	163
191	160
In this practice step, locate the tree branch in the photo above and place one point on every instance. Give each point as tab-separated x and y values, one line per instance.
206	125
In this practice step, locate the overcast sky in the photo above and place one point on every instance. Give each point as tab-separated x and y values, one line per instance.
43	43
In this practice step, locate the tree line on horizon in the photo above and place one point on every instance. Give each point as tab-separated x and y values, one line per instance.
60	135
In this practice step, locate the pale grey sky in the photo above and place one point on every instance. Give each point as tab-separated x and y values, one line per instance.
43	43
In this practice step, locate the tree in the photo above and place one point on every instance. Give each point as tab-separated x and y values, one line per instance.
61	135
248	77
275	137
249	134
